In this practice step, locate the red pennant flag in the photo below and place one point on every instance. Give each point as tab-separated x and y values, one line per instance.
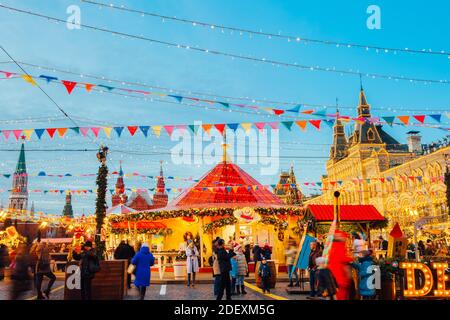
420	118
132	129
51	132
169	130
17	133
315	123
308	112
273	125
220	128
8	74
278	111
95	131
6	133
69	85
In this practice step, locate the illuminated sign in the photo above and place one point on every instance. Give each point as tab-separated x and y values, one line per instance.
428	282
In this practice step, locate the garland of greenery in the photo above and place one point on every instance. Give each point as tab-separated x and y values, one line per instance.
100	208
206	212
152	231
210	227
277	223
447	183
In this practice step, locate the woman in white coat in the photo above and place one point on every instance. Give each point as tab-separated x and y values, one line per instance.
191	262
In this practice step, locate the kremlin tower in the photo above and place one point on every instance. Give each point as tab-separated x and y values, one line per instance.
160	198
119	196
68	210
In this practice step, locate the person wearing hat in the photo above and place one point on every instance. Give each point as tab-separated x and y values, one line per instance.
242	269
225	267
89	266
143	260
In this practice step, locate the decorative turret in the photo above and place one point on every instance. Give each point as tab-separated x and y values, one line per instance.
338	149
119	196
287	189
160	198
68	211
18	199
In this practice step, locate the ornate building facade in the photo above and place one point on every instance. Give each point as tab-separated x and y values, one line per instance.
140	200
287	189
405	182
68	210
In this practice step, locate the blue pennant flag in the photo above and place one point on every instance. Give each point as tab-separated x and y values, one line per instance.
233	126
144	130
48	78
178	98
39	132
118	130
330	122
42	174
225	104
320	113
295	109
389	120
436	117
106	87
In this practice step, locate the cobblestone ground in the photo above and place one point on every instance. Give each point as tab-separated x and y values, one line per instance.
171	291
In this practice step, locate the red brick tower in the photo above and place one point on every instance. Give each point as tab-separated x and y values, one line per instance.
160	198
119	196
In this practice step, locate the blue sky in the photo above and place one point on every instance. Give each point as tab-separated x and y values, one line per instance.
412	24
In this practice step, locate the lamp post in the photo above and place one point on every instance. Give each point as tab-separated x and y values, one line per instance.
337	208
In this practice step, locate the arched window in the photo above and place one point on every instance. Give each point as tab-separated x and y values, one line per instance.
370	135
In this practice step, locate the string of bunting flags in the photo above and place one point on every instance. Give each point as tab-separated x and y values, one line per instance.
237	188
220	127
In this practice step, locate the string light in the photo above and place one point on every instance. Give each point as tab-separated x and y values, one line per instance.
265	35
237	56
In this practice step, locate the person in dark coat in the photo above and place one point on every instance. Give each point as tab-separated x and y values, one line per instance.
326	282
257	253
383	243
4	260
21	274
125	252
247	254
143	260
224	259
89	266
265	274
267	252
363	266
43	269
312	267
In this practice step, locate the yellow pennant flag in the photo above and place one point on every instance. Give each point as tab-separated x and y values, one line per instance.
157	130
107	131
246	126
28	133
29	79
235	189
62	132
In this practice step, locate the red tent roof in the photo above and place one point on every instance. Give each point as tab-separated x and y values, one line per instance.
212	191
348	213
396	232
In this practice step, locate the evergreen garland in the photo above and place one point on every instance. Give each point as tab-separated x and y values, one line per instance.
447	184
100	208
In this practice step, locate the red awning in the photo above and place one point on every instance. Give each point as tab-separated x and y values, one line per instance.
354	213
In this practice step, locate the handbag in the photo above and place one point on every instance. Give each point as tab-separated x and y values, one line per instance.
131	269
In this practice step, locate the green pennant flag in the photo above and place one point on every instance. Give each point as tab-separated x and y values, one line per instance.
76	129
389	120
193	128
288	124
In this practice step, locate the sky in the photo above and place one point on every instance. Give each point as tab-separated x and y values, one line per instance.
404	24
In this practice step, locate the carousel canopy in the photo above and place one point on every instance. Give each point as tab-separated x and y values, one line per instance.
226	186
350	213
120	209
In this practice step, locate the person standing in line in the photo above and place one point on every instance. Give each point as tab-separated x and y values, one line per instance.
312	268
125	252
225	268
247	254
3	260
242	270
43	269
365	271
143	260
265	274
326	283
233	271
191	262
89	266
257	253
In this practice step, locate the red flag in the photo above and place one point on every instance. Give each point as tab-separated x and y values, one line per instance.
220	128
95	131
278	111
51	132
69	85
132	129
420	118
315	123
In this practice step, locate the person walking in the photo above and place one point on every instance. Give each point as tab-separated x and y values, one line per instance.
242	270
291	255
265	274
247	254
225	267
312	268
89	266
233	271
267	252
43	269
257	253
143	260
125	252
326	283
21	274
191	262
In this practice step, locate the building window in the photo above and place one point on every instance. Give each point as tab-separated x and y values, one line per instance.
370	135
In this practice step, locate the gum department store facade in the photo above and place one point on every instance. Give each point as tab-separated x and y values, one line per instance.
406	180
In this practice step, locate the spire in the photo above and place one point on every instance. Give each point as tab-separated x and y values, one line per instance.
21	165
120	169
339	147
161	174
68	210
363	106
225	157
